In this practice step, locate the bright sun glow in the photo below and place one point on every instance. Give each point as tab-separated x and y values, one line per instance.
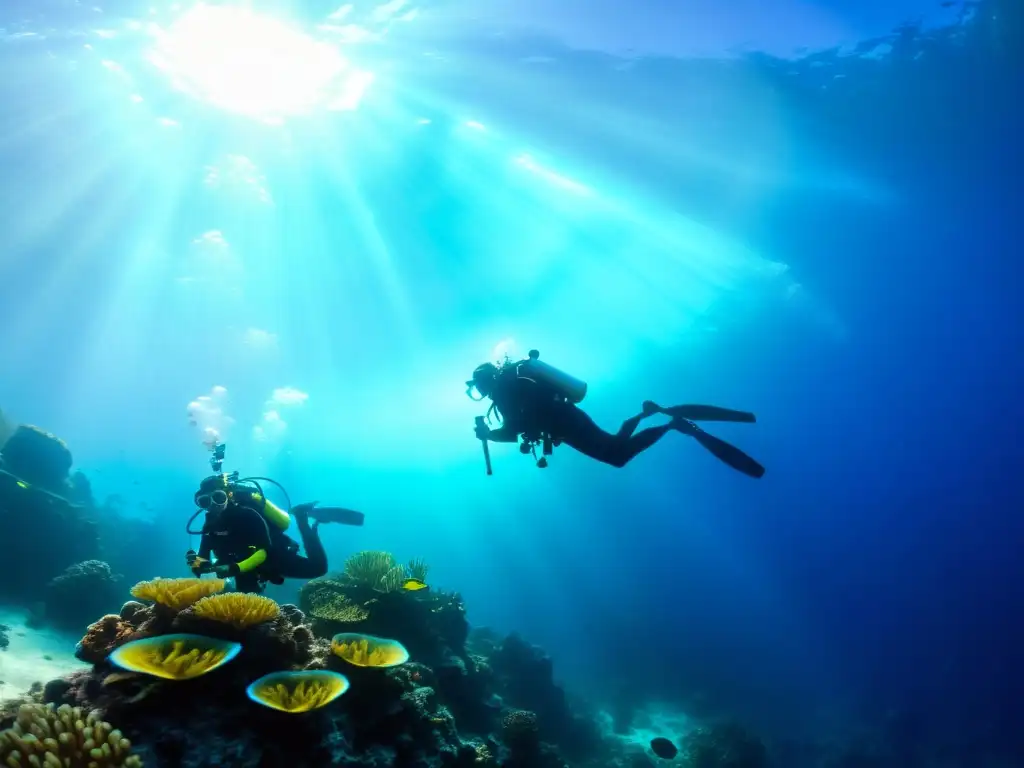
255	65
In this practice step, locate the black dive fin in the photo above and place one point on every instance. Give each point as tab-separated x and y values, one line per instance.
709	413
730	454
337	515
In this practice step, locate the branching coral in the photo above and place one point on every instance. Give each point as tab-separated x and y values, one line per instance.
175	657
369	651
177	594
417	569
44	737
325	599
298	691
381	572
369	568
102	637
237	609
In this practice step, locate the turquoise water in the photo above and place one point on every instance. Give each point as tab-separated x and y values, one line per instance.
300	228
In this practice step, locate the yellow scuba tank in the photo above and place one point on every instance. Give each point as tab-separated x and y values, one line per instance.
569	387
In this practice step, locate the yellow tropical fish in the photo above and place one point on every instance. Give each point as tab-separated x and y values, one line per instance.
414	585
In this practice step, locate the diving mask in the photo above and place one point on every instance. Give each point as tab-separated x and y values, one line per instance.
217	499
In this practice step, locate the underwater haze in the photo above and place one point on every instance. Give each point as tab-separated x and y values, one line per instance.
301	227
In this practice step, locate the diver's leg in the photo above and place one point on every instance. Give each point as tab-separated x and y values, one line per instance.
629	426
578	430
314	564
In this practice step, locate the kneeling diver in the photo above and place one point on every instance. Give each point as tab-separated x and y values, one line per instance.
539	402
246	534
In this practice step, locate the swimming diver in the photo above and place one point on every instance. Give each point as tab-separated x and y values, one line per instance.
245	532
539	402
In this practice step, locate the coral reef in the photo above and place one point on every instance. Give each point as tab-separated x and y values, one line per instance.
73	598
367	597
524	678
64	736
196	679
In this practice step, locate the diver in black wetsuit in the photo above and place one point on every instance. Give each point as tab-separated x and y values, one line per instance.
539	403
246	534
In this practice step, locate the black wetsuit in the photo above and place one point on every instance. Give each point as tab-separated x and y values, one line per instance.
531	409
240	532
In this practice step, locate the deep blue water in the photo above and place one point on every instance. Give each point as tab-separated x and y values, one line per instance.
822	237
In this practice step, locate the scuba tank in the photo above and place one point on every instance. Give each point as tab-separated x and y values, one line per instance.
569	387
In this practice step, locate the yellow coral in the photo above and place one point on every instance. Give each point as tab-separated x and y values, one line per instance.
298	691
175	657
369	651
177	594
67	737
238	609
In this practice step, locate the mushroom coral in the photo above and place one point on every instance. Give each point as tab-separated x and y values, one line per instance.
300	691
175	657
368	650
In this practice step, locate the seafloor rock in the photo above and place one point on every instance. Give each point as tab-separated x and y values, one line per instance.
35	511
724	745
81	592
525	679
4	641
37	457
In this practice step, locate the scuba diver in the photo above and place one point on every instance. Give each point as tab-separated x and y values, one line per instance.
540	403
245	532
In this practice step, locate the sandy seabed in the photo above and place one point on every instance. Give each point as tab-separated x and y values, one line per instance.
34	655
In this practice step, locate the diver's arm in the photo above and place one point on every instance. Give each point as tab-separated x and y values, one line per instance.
255	560
504	434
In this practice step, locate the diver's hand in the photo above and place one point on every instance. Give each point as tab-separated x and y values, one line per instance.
482	431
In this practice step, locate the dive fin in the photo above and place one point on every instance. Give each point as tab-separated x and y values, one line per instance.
726	452
337	515
708	413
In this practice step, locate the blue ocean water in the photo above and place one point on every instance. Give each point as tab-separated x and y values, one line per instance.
307	238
